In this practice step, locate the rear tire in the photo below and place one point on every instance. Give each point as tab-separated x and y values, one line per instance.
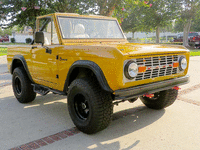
161	99
22	87
89	106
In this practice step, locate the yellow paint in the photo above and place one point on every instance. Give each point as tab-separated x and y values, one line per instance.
108	54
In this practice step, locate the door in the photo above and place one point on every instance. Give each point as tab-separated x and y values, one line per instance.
44	58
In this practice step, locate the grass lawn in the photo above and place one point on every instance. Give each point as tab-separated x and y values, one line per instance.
3	51
195	53
13	43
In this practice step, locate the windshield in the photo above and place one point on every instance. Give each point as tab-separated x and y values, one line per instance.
89	28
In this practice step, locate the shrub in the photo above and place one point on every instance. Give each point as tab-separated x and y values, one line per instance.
12	40
28	40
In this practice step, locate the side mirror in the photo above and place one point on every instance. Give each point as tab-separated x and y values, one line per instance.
39	37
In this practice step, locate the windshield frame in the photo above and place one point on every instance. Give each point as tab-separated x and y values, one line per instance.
60	16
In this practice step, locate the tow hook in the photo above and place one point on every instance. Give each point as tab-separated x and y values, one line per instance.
176	88
149	95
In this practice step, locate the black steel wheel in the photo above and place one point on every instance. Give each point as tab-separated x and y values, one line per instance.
22	87
161	99
89	106
18	85
81	106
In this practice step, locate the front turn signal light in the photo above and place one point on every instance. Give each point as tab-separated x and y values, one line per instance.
142	69
176	64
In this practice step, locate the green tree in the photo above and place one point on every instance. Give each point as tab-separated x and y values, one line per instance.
168	28
149	16
1	32
101	7
159	15
188	11
65	6
129	15
19	28
21	12
8	32
178	26
132	22
196	23
5	32
24	12
108	7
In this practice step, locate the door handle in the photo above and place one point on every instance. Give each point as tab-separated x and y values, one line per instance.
48	51
34	47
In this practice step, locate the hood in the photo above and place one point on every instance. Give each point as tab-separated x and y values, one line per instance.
135	48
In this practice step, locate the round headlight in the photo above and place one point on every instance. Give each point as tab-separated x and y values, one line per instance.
131	70
183	63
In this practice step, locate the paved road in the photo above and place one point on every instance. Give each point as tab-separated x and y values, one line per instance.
45	123
5	77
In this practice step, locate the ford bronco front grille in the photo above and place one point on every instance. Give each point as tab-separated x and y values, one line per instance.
157	66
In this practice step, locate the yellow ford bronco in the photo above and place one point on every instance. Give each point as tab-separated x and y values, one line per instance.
88	59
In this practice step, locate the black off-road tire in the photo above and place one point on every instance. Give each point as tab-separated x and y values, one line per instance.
22	88
89	106
163	99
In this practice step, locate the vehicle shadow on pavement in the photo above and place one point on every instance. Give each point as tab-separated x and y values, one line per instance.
51	112
45	116
124	122
112	146
48	107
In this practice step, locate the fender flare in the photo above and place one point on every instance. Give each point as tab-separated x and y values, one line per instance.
94	68
23	61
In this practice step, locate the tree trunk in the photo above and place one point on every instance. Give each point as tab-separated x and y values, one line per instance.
157	35
186	31
133	34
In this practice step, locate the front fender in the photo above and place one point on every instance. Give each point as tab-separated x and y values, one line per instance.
15	63
94	68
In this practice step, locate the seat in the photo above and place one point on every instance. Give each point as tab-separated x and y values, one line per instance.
79	32
47	38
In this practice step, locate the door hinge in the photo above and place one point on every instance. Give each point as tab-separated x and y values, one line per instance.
57	76
57	57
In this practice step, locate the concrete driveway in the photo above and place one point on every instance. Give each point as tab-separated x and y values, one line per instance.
45	123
